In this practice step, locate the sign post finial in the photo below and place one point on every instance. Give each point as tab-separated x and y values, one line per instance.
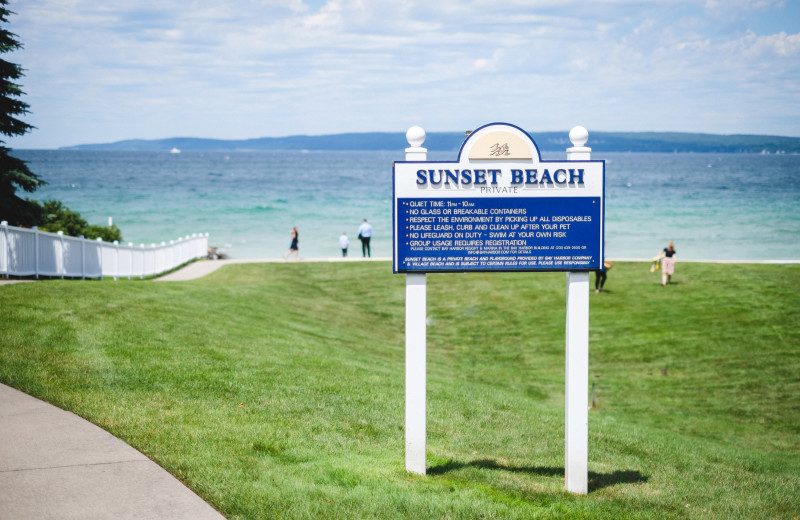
415	136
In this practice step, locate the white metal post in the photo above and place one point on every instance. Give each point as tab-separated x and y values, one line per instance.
416	360
60	259
4	225
36	251
83	258
416	342
100	258
130	268
576	445
116	259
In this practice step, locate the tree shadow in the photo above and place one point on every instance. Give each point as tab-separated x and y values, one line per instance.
596	480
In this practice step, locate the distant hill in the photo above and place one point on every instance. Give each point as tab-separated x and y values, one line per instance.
451	141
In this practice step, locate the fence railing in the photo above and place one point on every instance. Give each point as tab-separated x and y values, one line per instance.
30	252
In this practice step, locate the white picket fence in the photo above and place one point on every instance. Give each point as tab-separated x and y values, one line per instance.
30	252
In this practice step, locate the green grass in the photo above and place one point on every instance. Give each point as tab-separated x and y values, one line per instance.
276	390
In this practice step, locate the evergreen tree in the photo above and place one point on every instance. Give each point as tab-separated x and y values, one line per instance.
14	173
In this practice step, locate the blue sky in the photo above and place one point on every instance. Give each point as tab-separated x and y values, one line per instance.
236	69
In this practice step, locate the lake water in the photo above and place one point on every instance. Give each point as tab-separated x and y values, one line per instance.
713	206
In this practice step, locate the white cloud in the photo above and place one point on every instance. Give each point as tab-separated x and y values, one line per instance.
736	8
757	47
234	69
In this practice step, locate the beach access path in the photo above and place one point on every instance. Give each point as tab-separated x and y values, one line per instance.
202	268
56	465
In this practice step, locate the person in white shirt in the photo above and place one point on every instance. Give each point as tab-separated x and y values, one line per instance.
364	234
343	243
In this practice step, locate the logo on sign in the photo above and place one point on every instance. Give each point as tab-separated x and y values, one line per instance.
501	144
498	150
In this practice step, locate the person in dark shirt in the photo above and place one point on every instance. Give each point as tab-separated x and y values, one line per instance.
601	275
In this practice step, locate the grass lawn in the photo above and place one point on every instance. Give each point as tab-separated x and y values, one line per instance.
276	390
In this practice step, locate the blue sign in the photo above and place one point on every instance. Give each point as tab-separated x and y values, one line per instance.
498	208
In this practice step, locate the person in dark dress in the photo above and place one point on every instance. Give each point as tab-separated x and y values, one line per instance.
294	248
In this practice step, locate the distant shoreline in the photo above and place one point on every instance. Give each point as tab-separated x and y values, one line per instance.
659	142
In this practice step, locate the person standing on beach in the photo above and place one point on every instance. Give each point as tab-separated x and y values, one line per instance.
343	243
364	234
294	247
668	263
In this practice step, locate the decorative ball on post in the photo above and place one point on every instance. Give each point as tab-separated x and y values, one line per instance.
578	135
415	136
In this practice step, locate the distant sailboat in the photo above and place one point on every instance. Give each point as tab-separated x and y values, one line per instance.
174	150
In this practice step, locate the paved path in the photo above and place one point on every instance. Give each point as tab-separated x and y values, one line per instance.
55	465
203	267
9	281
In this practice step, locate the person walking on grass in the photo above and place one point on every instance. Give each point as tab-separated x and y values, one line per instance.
365	234
668	263
601	275
294	248
343	243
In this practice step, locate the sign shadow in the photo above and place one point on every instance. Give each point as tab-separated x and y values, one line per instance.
596	480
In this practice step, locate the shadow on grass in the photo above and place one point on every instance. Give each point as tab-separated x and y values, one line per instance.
596	480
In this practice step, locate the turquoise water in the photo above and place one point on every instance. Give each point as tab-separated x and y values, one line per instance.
713	206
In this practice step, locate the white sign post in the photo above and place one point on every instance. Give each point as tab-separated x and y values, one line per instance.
577	188
576	439
416	342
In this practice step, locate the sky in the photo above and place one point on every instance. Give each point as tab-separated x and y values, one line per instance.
98	72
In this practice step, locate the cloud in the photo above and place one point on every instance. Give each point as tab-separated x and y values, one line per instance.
756	47
736	8
247	68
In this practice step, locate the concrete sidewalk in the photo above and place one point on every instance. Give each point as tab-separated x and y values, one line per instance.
55	465
204	267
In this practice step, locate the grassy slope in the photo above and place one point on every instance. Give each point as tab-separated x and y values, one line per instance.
277	390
